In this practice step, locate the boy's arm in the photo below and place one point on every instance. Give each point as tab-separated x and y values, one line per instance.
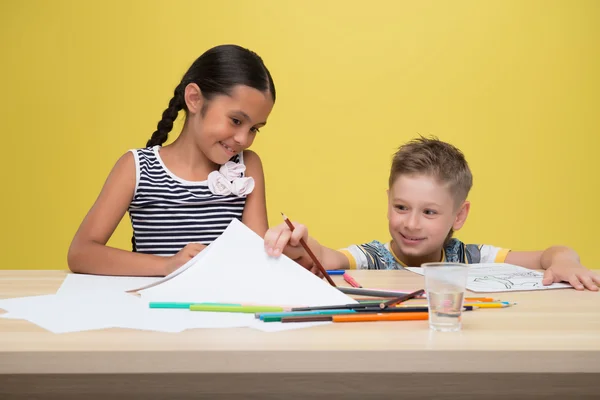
329	258
560	264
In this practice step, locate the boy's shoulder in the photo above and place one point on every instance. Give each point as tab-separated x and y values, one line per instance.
371	255
458	251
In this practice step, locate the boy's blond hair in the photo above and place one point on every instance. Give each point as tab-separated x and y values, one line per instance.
440	160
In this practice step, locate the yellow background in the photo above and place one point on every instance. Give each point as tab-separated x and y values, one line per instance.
514	84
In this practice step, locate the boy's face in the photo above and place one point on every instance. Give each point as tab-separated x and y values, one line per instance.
421	213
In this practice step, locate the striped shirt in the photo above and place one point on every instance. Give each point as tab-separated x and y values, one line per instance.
168	212
377	255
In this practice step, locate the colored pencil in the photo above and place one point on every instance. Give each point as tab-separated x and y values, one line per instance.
486	299
393	293
275	317
370	292
500	304
361	317
393	302
336	307
185	305
351	281
310	253
336	271
236	309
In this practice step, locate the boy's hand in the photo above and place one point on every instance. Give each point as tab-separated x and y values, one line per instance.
281	240
574	273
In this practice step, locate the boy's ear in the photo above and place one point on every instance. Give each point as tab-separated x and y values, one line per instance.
193	98
461	217
389	213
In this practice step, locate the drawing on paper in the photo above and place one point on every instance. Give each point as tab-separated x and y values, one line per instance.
516	281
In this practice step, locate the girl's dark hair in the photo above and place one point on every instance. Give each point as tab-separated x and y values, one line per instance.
216	72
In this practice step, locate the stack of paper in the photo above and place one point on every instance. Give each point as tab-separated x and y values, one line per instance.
233	269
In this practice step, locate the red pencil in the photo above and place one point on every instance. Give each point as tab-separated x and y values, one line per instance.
351	281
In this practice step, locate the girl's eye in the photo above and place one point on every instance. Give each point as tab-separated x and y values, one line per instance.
254	130
236	121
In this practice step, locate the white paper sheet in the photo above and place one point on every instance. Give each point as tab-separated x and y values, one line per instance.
82	283
502	277
238	270
73	313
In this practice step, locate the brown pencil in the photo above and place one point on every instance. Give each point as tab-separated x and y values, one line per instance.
401	299
310	253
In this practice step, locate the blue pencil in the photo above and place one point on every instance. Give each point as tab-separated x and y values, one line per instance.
335	271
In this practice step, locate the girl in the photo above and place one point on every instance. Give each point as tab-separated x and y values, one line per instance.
181	197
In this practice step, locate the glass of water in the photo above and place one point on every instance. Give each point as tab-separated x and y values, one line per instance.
445	285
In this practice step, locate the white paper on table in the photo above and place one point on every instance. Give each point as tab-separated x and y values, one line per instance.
76	311
61	314
238	270
17	305
9	316
82	283
502	277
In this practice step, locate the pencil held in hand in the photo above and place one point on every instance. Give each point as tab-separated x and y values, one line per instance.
310	253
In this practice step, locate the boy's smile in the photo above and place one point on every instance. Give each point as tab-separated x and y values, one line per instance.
421	213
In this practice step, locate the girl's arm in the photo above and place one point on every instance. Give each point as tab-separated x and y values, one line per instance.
255	210
88	252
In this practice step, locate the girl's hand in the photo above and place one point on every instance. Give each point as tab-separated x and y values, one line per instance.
184	255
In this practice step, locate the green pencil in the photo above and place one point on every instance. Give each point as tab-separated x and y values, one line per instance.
153	304
235	309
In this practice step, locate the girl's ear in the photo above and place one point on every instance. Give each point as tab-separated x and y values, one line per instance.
193	98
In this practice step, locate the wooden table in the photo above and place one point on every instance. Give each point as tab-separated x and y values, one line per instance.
547	346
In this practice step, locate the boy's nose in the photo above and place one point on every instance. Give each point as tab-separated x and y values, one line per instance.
413	221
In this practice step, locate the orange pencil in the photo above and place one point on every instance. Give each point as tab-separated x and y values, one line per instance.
486	299
408	316
413	316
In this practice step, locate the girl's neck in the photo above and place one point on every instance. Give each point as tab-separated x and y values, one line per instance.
185	159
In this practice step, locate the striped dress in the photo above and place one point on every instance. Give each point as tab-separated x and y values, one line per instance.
168	212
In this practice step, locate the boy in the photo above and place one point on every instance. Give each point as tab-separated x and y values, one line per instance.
428	187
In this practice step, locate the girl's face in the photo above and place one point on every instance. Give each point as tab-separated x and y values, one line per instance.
227	124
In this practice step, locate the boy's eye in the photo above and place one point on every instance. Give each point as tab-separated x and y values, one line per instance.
236	121
400	207
430	212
